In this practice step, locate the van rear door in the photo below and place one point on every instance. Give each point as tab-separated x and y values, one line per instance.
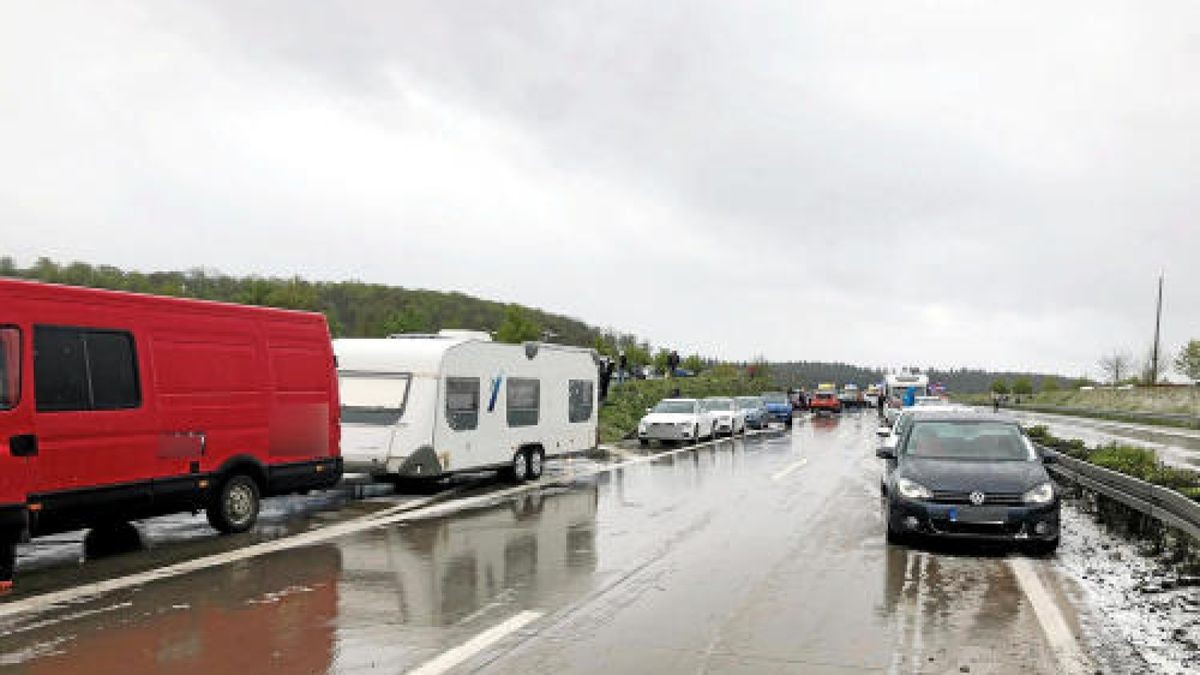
18	444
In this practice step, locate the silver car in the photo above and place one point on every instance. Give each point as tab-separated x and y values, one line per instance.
676	420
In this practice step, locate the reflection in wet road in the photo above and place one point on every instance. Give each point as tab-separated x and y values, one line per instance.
756	555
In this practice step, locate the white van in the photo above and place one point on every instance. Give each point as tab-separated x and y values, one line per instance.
430	405
897	385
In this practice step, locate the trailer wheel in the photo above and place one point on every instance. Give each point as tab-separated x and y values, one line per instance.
537	461
236	505
518	468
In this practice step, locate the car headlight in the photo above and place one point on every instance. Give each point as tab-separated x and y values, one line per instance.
912	489
1042	494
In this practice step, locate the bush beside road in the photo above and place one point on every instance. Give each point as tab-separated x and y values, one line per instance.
627	402
1138	462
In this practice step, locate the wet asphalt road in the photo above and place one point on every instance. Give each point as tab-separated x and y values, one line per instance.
756	555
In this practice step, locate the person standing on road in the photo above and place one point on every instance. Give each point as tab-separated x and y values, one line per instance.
881	400
606	371
672	363
622	367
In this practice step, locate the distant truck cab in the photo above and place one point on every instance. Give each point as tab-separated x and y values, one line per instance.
118	406
424	406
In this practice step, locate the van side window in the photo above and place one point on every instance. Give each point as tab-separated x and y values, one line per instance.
84	369
462	403
10	367
524	401
580	400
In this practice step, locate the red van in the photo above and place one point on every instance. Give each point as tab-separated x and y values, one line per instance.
118	406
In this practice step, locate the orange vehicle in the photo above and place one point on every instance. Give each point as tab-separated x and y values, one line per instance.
825	400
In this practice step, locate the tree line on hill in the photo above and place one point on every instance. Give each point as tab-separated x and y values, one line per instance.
353	308
960	380
358	309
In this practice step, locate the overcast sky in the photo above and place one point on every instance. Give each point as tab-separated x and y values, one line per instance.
984	183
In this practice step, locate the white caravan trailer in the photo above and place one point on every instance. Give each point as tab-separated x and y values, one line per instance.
429	405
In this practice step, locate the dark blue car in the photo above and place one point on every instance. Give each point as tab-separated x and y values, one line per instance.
779	407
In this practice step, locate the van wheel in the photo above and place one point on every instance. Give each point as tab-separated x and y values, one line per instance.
236	506
537	461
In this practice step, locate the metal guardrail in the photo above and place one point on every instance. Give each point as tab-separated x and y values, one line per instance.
1168	419
1158	502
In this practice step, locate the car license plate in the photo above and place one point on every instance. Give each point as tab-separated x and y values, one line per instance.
977	514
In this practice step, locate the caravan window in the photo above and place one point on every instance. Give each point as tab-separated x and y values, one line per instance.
580	400
524	401
373	398
462	403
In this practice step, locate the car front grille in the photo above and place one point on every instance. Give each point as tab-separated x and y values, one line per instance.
958	497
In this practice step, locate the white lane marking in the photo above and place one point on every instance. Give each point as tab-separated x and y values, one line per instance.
1053	623
412	510
453	657
789	469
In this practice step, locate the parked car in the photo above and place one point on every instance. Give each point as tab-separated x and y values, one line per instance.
825	402
730	420
676	419
850	396
755	411
779	407
119	406
425	406
964	474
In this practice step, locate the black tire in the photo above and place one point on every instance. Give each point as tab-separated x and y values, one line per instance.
1043	548
518	468
894	537
236	505
535	463
643	442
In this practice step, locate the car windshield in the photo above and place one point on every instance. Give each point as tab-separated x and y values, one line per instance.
675	407
824	395
966	440
775	398
725	404
10	367
373	398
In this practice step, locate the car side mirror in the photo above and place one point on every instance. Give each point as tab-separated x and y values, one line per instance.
1049	459
885	453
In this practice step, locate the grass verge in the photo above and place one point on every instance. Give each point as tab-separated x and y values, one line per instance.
1131	460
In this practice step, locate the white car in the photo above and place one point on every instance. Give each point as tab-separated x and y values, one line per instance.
676	419
730	419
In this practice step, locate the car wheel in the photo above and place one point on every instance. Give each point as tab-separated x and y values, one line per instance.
894	537
535	462
236	505
643	442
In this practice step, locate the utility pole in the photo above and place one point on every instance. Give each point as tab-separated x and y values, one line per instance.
1157	325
